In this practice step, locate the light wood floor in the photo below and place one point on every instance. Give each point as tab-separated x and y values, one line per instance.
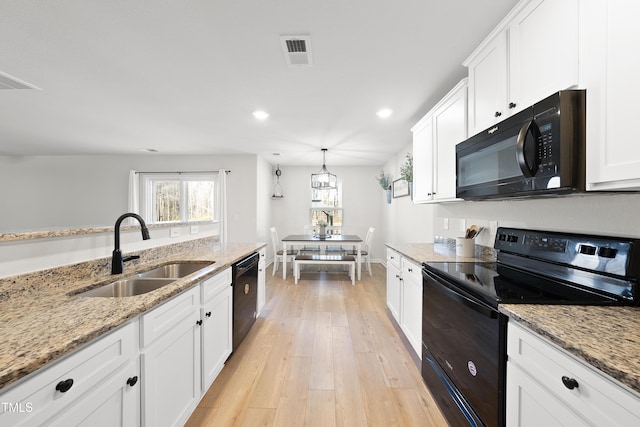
322	353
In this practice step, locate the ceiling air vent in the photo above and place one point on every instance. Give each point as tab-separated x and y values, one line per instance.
297	50
10	82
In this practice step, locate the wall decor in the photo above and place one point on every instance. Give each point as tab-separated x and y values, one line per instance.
400	188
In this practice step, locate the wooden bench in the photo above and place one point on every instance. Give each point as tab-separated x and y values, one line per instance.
349	260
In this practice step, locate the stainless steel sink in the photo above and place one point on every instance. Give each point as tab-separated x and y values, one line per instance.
147	281
176	270
127	287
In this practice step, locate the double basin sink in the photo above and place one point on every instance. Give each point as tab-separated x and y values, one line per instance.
147	281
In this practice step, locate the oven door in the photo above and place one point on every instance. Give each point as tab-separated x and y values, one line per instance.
464	353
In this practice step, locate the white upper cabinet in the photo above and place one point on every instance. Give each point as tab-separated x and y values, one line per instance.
487	84
434	147
450	129
609	68
543	51
423	160
530	55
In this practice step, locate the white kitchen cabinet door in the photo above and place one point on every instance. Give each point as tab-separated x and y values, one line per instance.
548	386
450	128
423	160
171	364
488	85
411	305
529	404
115	403
394	284
262	281
533	53
609	72
543	51
217	335
55	388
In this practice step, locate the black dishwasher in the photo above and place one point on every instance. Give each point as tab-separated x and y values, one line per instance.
245	296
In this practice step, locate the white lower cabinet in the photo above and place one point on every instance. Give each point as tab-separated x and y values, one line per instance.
404	296
82	387
116	402
548	386
262	280
411	314
171	360
394	283
217	326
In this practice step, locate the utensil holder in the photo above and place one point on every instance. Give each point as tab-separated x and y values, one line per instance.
465	247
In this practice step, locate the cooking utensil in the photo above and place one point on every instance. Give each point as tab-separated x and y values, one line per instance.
472	231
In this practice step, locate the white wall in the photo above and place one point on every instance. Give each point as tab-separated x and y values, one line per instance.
406	222
53	192
363	202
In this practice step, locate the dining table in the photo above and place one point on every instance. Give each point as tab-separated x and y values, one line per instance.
293	240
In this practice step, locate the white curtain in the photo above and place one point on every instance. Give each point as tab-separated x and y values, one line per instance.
134	195
222	204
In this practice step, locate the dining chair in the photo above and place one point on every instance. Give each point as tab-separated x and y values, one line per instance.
278	251
365	248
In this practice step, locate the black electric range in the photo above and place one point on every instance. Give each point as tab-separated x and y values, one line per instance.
463	333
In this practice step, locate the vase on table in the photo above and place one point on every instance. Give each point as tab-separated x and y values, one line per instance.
323	232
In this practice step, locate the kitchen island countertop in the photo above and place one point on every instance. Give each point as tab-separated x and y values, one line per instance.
41	320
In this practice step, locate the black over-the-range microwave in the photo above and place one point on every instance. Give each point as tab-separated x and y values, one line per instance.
537	152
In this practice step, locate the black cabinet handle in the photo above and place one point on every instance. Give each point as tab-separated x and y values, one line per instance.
132	381
198	322
497	114
64	386
569	383
512	105
208	314
410	270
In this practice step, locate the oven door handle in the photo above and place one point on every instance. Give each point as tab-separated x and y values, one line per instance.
466	300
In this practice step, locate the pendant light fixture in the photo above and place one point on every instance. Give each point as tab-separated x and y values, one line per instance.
323	179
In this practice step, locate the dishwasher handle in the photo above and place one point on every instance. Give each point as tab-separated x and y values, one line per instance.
246	264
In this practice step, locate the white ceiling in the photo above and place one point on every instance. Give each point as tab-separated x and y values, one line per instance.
183	77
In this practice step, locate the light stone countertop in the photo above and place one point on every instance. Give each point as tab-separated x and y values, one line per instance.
40	321
606	338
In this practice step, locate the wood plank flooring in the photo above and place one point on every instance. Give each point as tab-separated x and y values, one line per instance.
322	353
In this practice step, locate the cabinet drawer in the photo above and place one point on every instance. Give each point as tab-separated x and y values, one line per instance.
35	401
214	285
161	319
597	397
393	257
411	270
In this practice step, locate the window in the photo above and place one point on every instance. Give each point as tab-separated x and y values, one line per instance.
326	205
178	197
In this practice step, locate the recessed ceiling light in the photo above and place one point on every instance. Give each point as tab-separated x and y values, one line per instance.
260	115
384	113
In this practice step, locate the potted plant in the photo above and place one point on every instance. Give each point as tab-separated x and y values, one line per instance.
406	171
384	181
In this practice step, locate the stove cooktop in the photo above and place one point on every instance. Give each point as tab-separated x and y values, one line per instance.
495	284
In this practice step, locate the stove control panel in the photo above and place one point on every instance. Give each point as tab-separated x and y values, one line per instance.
611	255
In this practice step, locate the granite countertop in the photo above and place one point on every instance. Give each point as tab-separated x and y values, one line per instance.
440	252
41	320
606	338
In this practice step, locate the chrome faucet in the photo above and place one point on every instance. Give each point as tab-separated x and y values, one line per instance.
117	262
